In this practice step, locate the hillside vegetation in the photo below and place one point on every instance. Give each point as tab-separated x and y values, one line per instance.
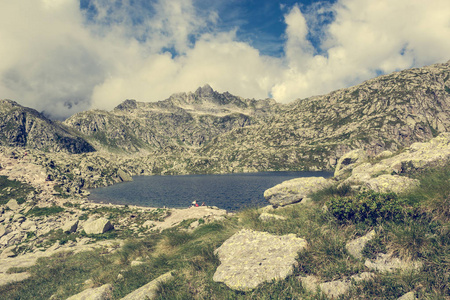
414	225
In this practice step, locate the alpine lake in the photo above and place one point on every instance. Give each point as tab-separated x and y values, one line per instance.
226	191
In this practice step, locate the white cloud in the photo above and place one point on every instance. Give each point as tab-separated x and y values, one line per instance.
63	60
365	37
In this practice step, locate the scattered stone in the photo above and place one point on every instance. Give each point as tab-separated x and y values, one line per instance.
13	205
408	296
387	263
70	226
28	225
295	190
18	218
150	290
270	217
8	252
123	175
267	209
384	154
194	224
97	226
355	247
136	263
14	277
103	292
336	288
2	230
249	258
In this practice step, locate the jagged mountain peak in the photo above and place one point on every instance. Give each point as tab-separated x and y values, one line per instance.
205	91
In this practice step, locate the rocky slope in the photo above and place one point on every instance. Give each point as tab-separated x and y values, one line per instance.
25	127
385	113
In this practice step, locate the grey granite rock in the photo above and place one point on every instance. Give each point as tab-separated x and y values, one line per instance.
70	226
388	263
408	296
355	247
391	183
103	292
348	161
249	258
97	226
270	217
13	205
336	288
295	190
6	278
149	291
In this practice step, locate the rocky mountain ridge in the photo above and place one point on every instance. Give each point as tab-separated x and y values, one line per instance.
183	120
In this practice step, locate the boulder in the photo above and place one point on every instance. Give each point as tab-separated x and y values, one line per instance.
388	263
123	175
348	161
249	258
391	183
97	226
150	290
103	292
295	190
13	205
355	247
70	226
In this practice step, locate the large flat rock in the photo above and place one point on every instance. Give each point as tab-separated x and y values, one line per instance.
249	258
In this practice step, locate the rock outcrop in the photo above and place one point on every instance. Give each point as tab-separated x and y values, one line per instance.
250	258
295	190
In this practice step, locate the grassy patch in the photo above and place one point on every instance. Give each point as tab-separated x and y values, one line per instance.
44	211
13	189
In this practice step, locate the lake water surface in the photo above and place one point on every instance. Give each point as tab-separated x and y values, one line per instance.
227	191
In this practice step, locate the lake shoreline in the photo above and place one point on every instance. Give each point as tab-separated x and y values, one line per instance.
232	192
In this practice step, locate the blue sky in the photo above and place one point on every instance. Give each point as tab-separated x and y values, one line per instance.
65	56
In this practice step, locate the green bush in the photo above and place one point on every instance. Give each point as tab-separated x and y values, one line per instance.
368	207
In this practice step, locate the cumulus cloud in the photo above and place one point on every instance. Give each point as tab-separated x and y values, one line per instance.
62	59
365	38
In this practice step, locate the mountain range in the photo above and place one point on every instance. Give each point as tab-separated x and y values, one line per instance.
210	132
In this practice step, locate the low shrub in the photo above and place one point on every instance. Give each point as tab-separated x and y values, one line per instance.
369	207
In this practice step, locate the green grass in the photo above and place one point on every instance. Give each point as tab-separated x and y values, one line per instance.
13	189
44	211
